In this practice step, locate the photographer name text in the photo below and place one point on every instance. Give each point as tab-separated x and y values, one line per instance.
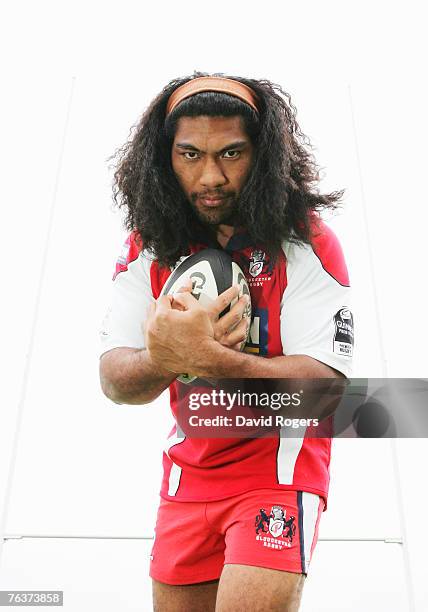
241	421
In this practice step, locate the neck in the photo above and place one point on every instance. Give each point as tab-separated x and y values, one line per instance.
224	233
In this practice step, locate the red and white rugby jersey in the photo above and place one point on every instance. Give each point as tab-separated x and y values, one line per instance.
299	307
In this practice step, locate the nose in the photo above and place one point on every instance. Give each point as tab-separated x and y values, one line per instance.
212	174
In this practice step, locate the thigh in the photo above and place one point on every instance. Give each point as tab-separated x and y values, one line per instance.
185	550
184	598
244	587
273	529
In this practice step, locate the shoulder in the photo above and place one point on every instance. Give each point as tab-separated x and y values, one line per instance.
132	250
324	252
327	248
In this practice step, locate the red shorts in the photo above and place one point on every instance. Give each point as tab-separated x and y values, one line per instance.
276	529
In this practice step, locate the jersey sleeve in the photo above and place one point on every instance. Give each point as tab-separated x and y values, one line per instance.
130	299
316	317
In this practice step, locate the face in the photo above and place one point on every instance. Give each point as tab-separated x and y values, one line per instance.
211	158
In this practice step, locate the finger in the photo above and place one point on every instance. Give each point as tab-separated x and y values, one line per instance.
188	286
163	304
239	334
185	300
233	317
223	300
176	306
185	288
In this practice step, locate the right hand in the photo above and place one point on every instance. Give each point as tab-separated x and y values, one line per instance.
231	330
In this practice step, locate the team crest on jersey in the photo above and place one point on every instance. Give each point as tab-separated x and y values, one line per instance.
274	530
256	263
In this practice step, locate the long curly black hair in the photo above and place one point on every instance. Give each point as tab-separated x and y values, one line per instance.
279	201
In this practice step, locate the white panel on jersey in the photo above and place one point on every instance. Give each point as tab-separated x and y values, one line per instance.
174	479
175	473
288	451
131	297
309	305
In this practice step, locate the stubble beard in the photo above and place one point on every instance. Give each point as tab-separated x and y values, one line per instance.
224	215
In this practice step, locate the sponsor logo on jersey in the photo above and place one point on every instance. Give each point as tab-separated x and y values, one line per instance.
279	530
343	342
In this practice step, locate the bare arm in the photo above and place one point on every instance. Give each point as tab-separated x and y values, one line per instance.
196	342
221	362
194	347
129	376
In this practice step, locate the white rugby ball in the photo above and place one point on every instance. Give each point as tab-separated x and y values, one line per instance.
211	271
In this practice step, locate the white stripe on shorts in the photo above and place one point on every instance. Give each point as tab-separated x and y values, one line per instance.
310	504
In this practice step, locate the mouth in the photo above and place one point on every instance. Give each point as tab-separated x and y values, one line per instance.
213	201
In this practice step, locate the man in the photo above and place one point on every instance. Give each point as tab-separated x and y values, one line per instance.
221	162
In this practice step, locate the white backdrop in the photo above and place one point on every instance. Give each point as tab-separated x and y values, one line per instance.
77	77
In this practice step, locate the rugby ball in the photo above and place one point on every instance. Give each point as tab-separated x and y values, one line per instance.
211	271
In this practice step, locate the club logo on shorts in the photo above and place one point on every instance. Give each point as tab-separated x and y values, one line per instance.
276	525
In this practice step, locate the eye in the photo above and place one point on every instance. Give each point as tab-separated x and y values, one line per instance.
232	154
191	155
